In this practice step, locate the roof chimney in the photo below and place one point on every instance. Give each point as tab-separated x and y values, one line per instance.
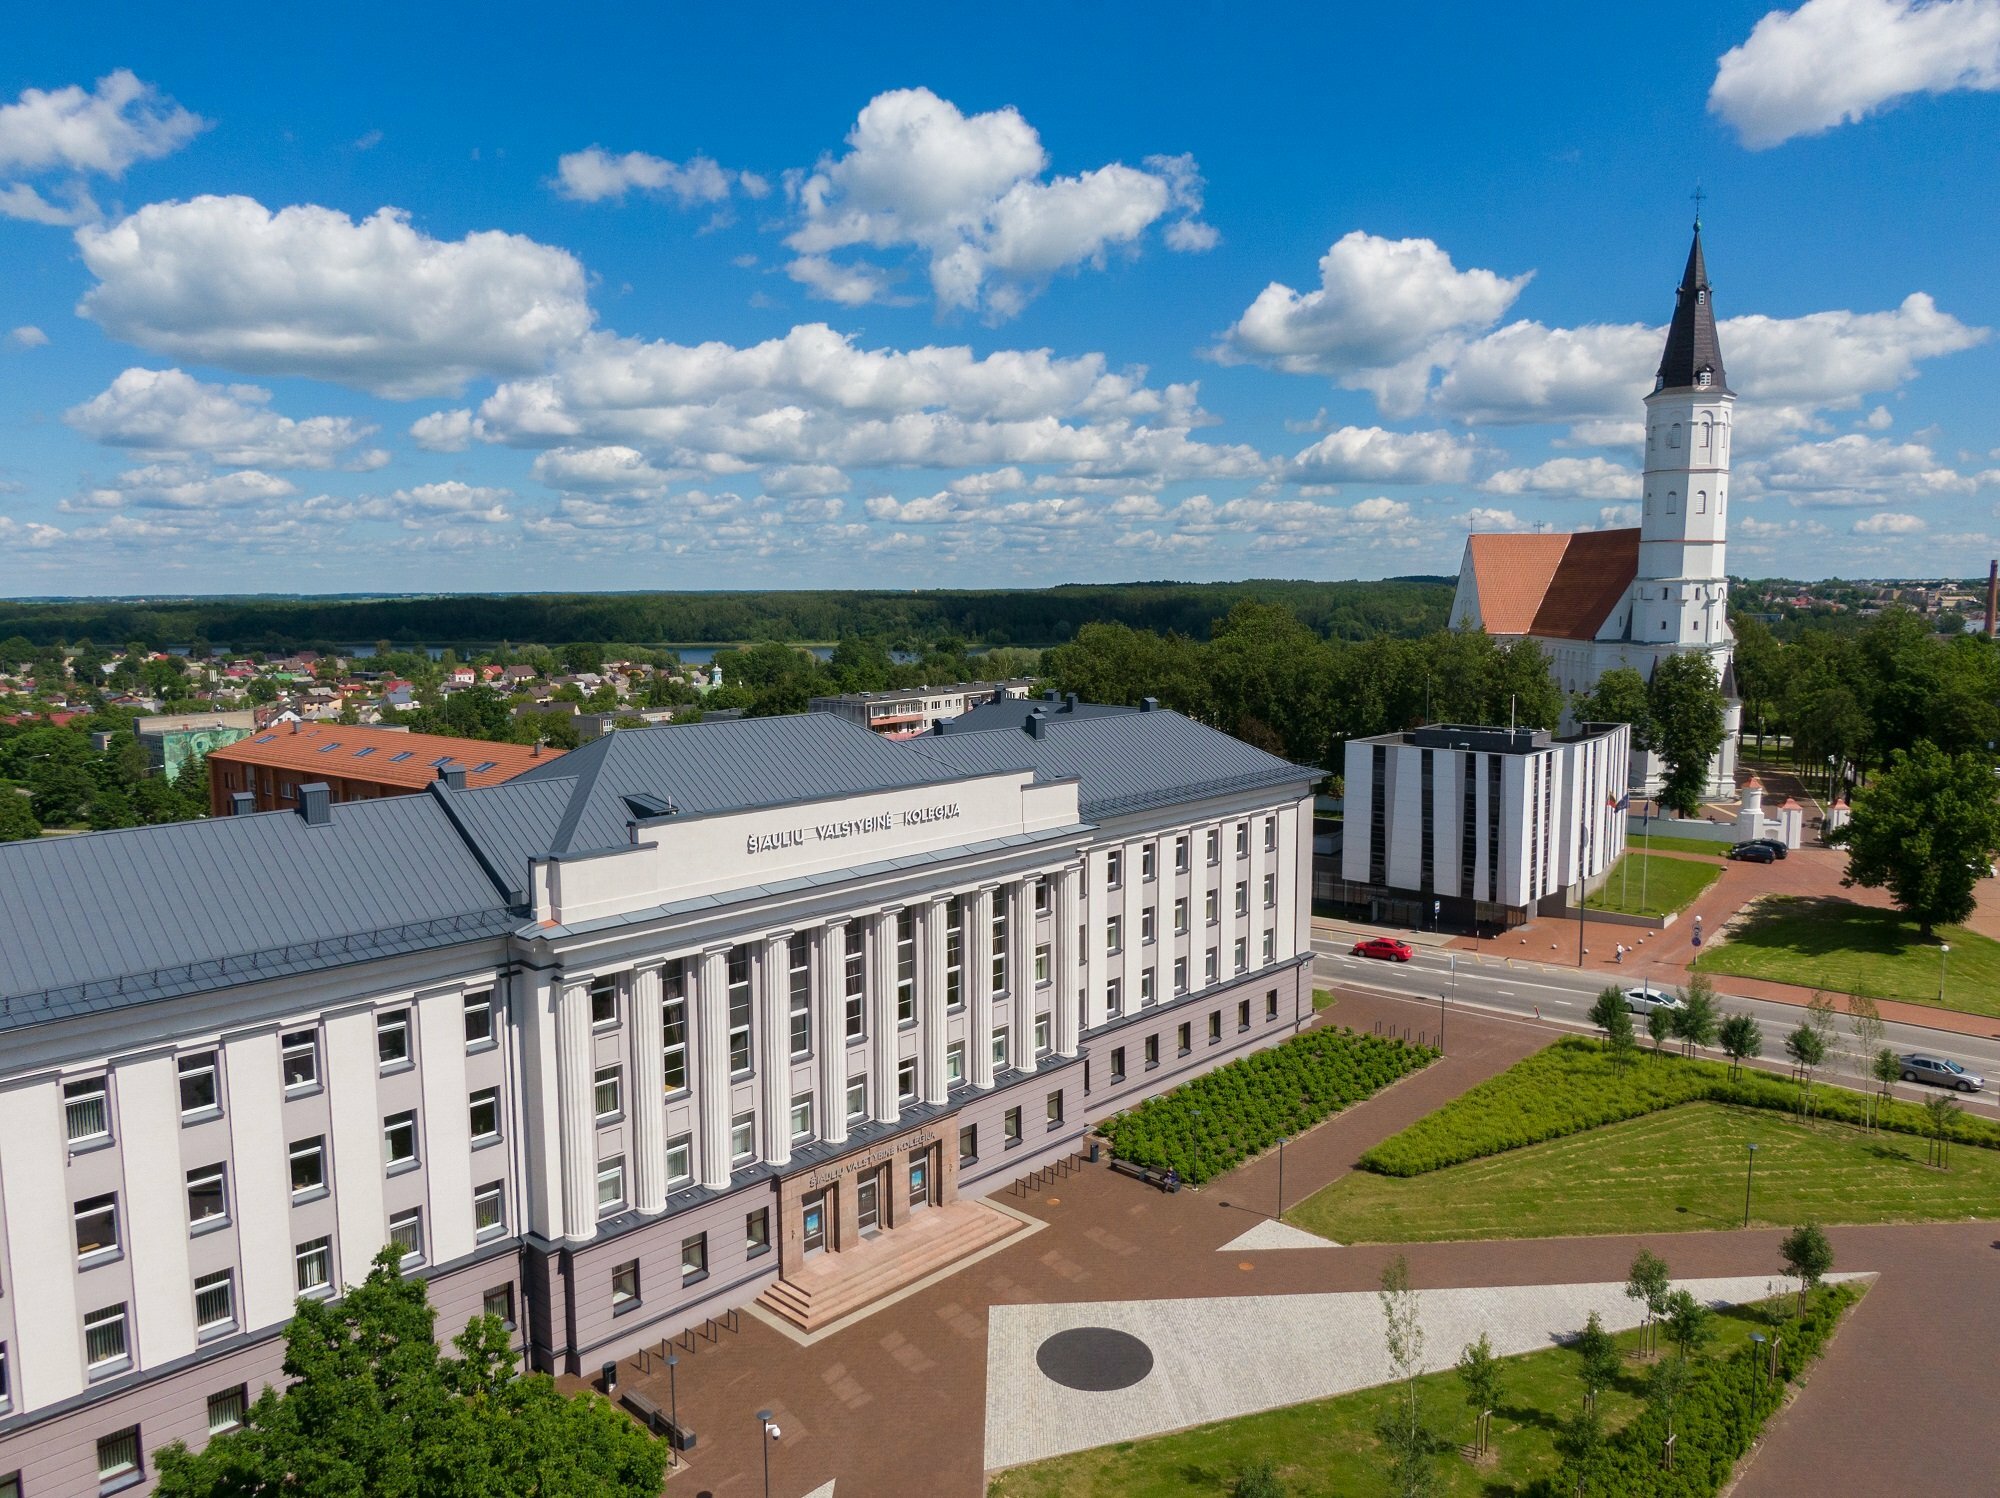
1069	703
1149	704
1038	724
453	777
1051	696
316	803
295	725
241	804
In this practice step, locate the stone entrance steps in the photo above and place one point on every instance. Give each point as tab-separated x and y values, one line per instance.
834	1285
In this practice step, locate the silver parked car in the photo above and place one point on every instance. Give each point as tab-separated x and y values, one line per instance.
1646	1000
1939	1072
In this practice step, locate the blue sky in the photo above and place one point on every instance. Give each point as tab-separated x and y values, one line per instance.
629	297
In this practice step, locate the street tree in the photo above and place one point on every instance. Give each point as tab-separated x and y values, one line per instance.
1742	1039
1808	1052
1666	1388
1660	1025
1685	710
1888	1066
1405	1431
1581	1446
1821	1016
1695	1021
1479	1376
1689	1323
1609	1014
1924	830
1808	1257
1941	1113
1618	697
1864	1024
1597	1350
1649	1284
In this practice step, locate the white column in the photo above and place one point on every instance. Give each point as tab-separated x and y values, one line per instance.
649	1087
574	1075
930	1000
882	1037
1062	963
712	1067
829	978
774	1054
1092	905
979	986
1021	971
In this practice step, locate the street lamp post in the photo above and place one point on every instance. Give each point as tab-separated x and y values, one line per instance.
1281	1177
1749	1175
1944	956
674	1409
1829	780
766	1434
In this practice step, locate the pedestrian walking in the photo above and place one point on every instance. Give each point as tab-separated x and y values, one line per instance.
1621	953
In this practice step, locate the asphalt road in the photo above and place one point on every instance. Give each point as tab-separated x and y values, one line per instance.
1498	985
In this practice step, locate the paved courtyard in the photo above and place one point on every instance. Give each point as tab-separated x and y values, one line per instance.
898	1403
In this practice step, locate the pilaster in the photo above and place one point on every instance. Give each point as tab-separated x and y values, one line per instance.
829	947
1021	972
930	1000
774	1050
578	1131
979	986
882	1029
1062	961
712	1067
648	1114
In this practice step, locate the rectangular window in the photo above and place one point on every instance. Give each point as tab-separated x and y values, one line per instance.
1152	1051
1042	964
87	1110
968	1144
604	1000
392	1039
680	1160
1114	933
1214	1026
1147	859
1208	907
499	1302
1118	1064
1145	986
1270	834
406	1231
198	1089
104	1342
798	955
1055	1107
739	1010
1010	1127
1114	869
312	1265
1270	947
1181	854
694	1258
610	1185
674	1027
1148	919
489	1211
208	1197
214	1303
954	1063
1114	998
1240	954
399	1140
1041	888
478	1019
6	1403
999	973
954	954
308	1165
1242	839
1242	897
1270	891
1208	968
1214	845
906	1080
299	1058
743	1137
1180	975
857	1098
757	1233
608	1093
1041	1035
118	1459
1181	916
1271	1004
1242	1014
225	1410
96	1226
855	980
906	967
802	1116
625	1285
484	1115
1185	1038
1000	1048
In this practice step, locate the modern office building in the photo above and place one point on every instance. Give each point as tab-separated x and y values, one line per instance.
674	1022
353	763
906	713
1480	826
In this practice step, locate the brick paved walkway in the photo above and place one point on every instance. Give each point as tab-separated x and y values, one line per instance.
894	1405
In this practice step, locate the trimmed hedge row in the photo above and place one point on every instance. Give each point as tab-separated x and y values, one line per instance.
1722	1411
1574	1085
1212	1123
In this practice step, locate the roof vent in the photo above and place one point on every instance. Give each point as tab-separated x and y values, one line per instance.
453	777
1037	724
241	804
1051	696
1149	704
1069	703
316	803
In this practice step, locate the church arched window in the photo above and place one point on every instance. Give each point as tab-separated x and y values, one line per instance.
1674	435
1701	501
1707	433
1672	502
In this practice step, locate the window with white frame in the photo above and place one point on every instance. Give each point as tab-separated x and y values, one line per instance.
483	1115
479	1019
694	1258
1270	834
954	1063
756	1232
226	1409
1042	1035
802	1116
1242	839
906	1079
1148	859
1041	888
1114	869
118	1460
199	1093
610	1185
680	1160
96	1219
1000	1048
906	967
1114	933
1042	963
674	1026
392	1039
1118	1063
854	982
1146	994
1180	975
312	1265
1181	854
999	973
104	1341
1181	916
1208	968
1152	1051
399	1140
1114	997
608	1093
743	1137
1241	954
1208	914
406	1231
954	953
1243	897
1215	845
214	1303
604	1000
857	1098
1270	891
1148	919
308	1166
208	1197
1270	947
798	992
298	1057
489	1210
625	1285
739	1010
499	1304
87	1110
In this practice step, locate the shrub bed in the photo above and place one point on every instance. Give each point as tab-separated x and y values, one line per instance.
1212	1123
1574	1085
1721	1412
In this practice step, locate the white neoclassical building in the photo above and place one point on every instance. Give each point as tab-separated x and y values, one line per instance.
661	1027
1599	600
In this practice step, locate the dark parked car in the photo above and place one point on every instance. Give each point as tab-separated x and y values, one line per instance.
1940	1073
1778	849
1385	947
1752	853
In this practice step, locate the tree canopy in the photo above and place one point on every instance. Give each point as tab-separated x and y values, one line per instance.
1685	726
1924	830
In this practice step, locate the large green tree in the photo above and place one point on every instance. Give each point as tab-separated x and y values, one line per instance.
377	1410
1619	697
1685	707
1924	830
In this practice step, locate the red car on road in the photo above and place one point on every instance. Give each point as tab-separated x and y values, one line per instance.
1385	947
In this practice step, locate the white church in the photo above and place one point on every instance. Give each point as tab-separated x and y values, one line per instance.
1598	600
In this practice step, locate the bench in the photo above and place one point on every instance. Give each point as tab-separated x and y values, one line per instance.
1165	1180
655	1420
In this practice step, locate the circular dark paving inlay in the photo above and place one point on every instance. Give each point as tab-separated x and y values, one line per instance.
1095	1359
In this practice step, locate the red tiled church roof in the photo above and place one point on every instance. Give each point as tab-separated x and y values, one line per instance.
1561	586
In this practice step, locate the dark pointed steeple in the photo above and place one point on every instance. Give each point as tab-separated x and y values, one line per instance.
1693	360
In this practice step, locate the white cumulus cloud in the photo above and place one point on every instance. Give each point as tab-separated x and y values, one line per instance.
595	174
27	336
170	413
78	132
1372	455
1833	62
1889	523
1567	478
376	304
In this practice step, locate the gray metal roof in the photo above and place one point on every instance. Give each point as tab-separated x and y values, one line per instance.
1693	349
1123	762
1014	712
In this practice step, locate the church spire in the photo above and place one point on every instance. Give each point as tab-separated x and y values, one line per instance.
1693	360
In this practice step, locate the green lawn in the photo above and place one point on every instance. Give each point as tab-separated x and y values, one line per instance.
1323	998
1681	1169
1834	944
1660	842
1666	884
1328	1448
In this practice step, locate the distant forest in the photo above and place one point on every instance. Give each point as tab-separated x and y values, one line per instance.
997	617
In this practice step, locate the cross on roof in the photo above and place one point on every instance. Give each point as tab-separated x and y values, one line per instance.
1697	195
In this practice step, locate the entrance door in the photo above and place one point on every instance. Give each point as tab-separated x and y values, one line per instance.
920	1178
868	1202
815	1224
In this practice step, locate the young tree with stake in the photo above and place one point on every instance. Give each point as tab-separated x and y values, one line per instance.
1742	1039
1660	1025
1597	1350
1649	1284
1695	1021
1808	1257
1406	1435
1479	1374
